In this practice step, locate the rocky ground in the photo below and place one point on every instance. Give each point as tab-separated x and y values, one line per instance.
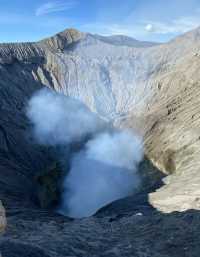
126	228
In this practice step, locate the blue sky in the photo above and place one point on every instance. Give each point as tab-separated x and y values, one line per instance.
152	20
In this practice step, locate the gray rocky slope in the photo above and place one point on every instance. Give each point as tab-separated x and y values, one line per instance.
151	88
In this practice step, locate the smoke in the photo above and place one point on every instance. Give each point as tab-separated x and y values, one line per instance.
104	170
60	120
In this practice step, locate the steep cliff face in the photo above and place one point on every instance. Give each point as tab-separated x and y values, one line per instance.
171	124
174	142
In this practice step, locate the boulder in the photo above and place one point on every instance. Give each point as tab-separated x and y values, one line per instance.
2	218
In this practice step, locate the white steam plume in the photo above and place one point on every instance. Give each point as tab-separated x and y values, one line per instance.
60	120
104	170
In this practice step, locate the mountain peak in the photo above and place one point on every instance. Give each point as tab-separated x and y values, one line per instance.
63	39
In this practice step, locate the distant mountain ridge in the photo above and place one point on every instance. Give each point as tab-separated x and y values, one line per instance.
121	40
